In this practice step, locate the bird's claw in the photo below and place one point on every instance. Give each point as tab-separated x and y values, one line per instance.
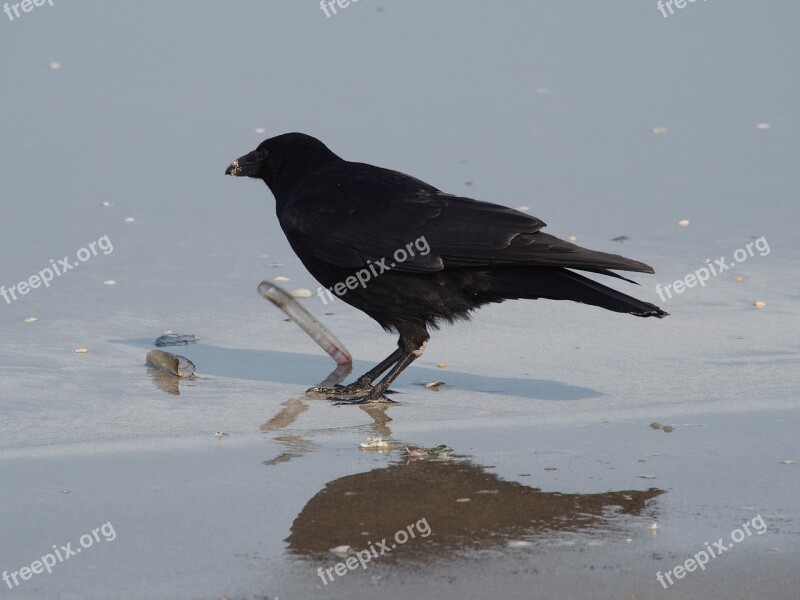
354	389
369	398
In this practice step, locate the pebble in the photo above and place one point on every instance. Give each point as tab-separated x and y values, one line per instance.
760	304
683	223
301	293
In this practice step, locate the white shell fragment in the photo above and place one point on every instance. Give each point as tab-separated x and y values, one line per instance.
301	293
683	223
341	551
374	442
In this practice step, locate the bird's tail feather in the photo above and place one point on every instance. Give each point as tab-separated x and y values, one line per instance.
562	284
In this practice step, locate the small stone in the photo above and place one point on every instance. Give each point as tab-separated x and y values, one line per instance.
763	126
441	365
81	350
301	293
110	282
572	239
659	130
668	428
739	279
106	203
655	425
30	319
129	219
760	304
281	278
683	223
55	66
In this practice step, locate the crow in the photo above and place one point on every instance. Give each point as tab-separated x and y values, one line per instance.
411	256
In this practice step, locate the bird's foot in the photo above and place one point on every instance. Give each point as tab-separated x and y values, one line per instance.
370	398
358	388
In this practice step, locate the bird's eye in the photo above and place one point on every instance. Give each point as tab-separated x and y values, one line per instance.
261	154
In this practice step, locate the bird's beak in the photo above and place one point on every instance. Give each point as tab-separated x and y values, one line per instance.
245	166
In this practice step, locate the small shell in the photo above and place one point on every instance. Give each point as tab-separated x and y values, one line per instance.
110	282
374	442
760	304
301	293
129	219
171	363
683	223
30	319
81	350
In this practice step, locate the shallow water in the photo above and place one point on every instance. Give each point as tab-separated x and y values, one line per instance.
556	481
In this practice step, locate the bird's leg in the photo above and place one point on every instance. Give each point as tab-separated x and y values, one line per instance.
362	385
376	394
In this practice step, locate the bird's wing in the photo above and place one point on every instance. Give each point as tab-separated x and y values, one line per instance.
348	229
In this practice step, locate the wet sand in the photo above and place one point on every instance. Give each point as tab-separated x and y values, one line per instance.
609	122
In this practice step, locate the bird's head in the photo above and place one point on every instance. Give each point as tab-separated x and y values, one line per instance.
282	161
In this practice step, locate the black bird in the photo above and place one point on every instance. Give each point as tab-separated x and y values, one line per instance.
344	218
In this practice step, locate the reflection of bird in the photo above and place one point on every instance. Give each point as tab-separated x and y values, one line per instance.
343	513
411	256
